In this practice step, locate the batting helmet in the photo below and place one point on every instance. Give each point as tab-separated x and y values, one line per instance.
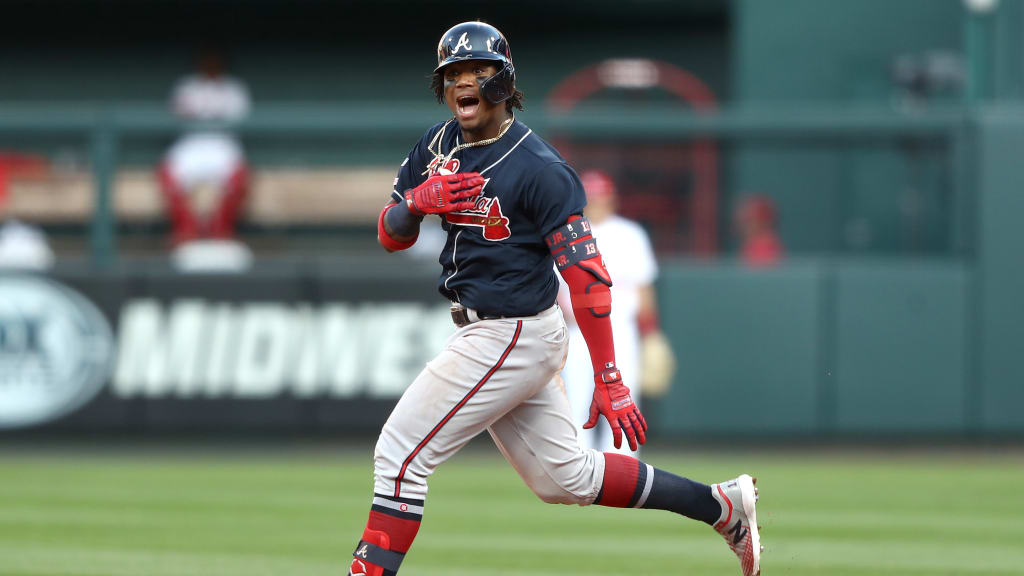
479	41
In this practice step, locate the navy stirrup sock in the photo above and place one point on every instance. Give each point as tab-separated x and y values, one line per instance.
630	483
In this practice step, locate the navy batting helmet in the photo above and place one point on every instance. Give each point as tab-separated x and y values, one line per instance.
479	41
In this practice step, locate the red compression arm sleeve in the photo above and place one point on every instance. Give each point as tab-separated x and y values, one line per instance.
596	330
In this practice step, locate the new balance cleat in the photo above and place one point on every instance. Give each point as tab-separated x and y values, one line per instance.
738	522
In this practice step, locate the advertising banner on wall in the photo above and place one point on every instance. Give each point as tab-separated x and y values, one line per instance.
162	352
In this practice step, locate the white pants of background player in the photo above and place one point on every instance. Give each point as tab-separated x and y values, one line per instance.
579	382
501	376
205	158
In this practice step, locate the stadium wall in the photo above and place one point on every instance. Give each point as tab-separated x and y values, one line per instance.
819	348
847	199
814	349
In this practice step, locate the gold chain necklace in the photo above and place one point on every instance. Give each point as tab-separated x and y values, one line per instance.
441	159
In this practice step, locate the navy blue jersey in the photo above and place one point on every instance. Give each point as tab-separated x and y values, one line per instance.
495	259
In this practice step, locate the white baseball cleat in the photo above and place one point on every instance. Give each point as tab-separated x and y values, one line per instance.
738	522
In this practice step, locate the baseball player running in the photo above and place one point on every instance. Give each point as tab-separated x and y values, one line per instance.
511	207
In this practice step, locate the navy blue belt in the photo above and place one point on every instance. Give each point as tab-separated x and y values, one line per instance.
463	316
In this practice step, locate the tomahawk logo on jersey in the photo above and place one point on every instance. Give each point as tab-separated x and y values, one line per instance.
485	214
495	259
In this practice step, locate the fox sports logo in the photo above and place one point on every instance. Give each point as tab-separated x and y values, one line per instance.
55	350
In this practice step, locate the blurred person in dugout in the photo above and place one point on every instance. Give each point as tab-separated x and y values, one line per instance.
757	221
204	177
644	355
22	246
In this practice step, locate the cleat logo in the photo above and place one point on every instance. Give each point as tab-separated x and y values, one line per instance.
738	532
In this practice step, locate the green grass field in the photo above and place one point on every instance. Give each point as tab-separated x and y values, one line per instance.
163	512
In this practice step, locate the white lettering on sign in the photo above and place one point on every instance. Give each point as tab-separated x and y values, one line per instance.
261	350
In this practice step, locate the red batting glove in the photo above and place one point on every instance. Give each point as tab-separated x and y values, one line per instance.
441	194
612	399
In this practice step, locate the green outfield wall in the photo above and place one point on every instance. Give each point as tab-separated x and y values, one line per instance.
1000	270
820	348
855	347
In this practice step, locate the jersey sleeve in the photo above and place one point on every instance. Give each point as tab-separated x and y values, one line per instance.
410	172
554	194
239	101
646	263
180	101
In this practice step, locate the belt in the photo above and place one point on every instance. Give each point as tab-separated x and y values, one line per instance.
463	316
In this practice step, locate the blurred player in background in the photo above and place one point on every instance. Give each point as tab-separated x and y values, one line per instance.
512	210
641	350
757	220
204	177
22	246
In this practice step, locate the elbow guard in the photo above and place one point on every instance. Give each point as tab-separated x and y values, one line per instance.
385	239
580	264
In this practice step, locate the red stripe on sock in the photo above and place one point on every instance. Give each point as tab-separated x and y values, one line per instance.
621	474
401	532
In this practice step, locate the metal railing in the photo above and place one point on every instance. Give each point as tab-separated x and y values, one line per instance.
104	126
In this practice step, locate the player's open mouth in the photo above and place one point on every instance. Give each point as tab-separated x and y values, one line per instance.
467	106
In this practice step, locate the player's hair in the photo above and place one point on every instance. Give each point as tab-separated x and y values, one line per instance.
437	86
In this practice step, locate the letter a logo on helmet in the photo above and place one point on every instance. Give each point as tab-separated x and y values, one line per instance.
479	41
462	43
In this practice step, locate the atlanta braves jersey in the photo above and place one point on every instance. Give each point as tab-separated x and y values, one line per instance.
495	259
